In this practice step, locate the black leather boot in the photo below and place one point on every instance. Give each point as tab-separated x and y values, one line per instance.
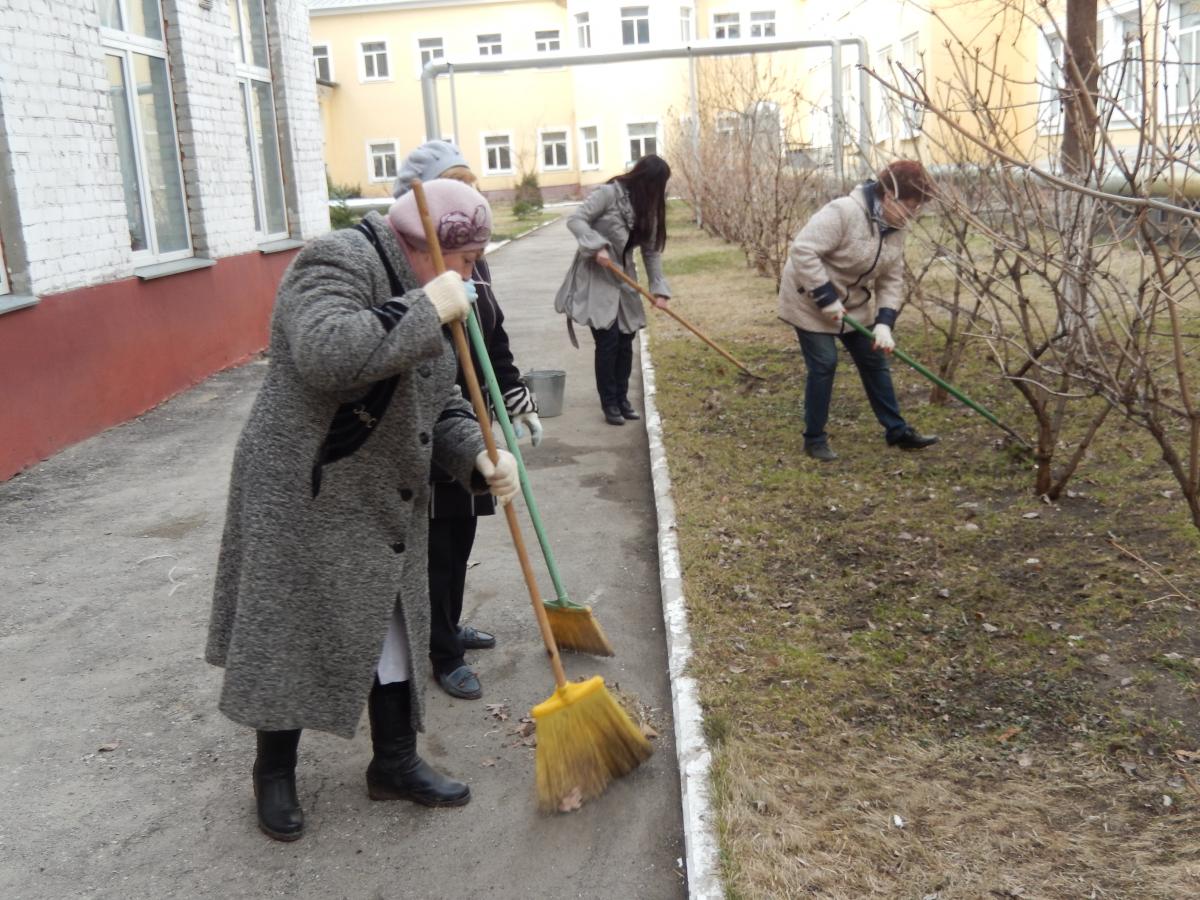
627	410
279	812
612	415
396	772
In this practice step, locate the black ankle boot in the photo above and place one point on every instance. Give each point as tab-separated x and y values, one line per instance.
627	410
279	812
396	772
612	415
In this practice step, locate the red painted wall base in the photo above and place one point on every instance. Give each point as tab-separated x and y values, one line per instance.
85	360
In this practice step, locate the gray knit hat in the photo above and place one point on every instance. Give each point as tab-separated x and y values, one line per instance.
427	162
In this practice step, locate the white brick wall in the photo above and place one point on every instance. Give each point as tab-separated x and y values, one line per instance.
299	116
61	158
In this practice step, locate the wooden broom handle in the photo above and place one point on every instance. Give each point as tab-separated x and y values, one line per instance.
462	348
616	270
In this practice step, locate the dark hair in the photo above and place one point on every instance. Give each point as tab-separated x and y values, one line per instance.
646	184
906	179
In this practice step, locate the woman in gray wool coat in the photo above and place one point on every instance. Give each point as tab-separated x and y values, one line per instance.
850	243
628	211
322	584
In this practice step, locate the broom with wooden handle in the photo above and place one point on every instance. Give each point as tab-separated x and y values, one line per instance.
616	270
584	738
574	626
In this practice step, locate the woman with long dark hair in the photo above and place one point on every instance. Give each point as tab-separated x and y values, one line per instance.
627	212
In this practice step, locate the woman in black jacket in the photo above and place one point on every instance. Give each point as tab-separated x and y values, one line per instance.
452	510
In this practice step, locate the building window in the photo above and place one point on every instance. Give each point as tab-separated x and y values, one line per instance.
258	112
583	31
635	25
590	138
497	152
375	60
547	41
554	150
727	26
643	139
762	24
1187	88
685	23
139	93
883	115
322	62
383	160
430	49
910	58
489	44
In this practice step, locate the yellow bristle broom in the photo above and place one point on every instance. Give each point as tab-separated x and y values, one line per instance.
584	738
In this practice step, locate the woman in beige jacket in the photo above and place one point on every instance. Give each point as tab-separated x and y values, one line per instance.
852	244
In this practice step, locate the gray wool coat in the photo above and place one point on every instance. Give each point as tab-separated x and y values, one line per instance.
591	295
308	578
841	249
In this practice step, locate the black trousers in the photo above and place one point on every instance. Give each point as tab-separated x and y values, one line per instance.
614	362
450	542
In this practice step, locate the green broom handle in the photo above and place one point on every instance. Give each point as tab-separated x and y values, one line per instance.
489	376
945	385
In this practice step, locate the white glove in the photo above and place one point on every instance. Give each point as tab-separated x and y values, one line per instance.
531	421
883	338
448	293
834	312
501	476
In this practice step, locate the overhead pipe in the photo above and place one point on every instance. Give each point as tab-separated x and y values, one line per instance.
437	67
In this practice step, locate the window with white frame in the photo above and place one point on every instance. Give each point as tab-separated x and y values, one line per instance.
258	112
497	154
727	26
489	44
643	139
430	49
589	138
382	157
547	41
1187	36
139	93
554	150
726	123
762	24
322	62
685	23
375	60
883	105
583	31
635	25
910	58
1121	62
1050	81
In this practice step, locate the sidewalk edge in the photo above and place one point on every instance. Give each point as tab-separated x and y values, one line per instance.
703	857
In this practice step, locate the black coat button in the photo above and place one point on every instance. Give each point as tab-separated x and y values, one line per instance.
398	547
425	371
424	436
405	494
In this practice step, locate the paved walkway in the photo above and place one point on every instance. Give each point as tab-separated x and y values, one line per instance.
118	777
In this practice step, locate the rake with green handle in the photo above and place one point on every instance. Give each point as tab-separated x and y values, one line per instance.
574	626
944	385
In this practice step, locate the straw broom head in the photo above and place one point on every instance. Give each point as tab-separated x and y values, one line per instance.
584	741
575	628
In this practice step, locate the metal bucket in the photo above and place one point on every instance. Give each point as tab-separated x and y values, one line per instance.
547	386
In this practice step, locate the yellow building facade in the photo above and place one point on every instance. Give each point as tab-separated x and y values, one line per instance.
576	126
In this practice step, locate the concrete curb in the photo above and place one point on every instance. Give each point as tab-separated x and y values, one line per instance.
492	248
703	860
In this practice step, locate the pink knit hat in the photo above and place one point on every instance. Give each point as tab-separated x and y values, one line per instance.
460	214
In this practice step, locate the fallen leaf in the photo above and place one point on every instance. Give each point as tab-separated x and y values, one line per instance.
108	748
1188	755
487	763
736	670
498	711
1008	733
1031	515
572	801
990	628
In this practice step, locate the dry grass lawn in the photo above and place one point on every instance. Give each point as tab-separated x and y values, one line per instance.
921	681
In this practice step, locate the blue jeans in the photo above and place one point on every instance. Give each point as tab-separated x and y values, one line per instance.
821	356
